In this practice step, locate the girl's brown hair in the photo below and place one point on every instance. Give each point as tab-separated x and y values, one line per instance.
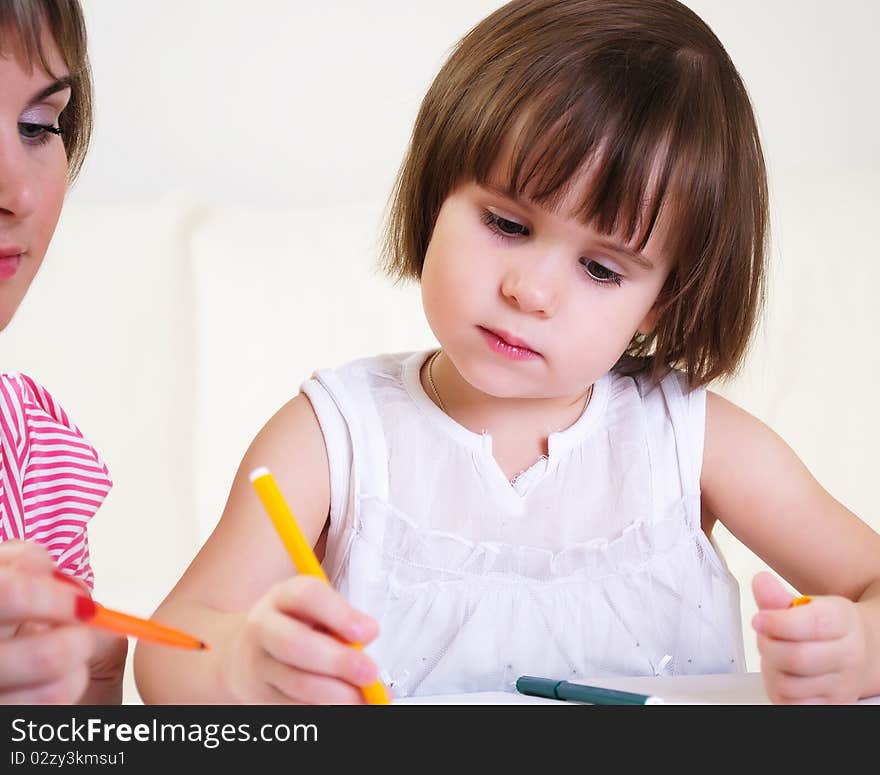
644	92
21	24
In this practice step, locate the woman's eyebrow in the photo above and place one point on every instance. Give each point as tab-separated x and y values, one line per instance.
52	88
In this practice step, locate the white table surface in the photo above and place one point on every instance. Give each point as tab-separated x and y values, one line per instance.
722	689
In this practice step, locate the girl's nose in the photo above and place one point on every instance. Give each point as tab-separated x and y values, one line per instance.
532	285
18	186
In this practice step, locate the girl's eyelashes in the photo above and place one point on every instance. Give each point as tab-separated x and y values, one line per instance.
504	227
37	134
507	229
600	274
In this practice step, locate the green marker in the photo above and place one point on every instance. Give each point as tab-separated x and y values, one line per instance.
595	695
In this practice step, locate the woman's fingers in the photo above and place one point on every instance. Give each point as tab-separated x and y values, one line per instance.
46	664
26	556
25	596
66	691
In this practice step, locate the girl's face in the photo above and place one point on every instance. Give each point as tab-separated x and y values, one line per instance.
33	166
530	303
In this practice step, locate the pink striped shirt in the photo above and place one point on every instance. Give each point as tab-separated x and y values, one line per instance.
52	480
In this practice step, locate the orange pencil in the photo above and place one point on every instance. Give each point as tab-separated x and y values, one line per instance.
96	615
301	553
145	629
802	600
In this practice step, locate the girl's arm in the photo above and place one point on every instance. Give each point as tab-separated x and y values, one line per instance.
755	484
240	593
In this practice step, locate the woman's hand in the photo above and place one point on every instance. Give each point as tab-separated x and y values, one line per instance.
107	663
294	648
44	650
815	653
106	669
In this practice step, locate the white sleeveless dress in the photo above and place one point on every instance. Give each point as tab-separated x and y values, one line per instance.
591	563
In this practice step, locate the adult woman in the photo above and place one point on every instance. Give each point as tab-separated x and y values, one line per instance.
51	480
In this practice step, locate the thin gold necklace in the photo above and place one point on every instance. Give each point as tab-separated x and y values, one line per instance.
431	382
440	400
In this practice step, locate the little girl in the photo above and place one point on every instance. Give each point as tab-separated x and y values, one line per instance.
51	479
584	204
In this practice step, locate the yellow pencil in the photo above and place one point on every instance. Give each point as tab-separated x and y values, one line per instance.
300	552
802	600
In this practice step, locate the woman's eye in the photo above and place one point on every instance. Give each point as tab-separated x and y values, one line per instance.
599	273
31	131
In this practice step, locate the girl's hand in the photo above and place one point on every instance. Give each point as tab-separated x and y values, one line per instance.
39	663
293	648
815	653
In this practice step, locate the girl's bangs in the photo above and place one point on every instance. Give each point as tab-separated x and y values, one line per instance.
619	133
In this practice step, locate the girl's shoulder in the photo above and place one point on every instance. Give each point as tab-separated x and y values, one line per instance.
376	377
672	384
381	363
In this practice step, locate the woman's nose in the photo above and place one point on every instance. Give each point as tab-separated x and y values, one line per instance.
18	187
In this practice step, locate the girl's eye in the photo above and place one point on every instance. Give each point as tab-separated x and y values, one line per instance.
37	133
503	226
600	274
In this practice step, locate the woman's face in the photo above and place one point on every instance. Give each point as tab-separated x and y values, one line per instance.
33	165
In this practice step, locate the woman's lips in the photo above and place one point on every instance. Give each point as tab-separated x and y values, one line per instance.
508	345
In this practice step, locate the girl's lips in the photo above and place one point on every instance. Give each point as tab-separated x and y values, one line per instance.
508	346
9	263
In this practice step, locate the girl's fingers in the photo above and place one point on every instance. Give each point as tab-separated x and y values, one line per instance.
802	689
807	701
298	644
822	619
800	658
310	599
44	659
301	636
769	592
309	688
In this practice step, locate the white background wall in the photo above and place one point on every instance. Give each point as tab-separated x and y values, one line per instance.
230	136
307	103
